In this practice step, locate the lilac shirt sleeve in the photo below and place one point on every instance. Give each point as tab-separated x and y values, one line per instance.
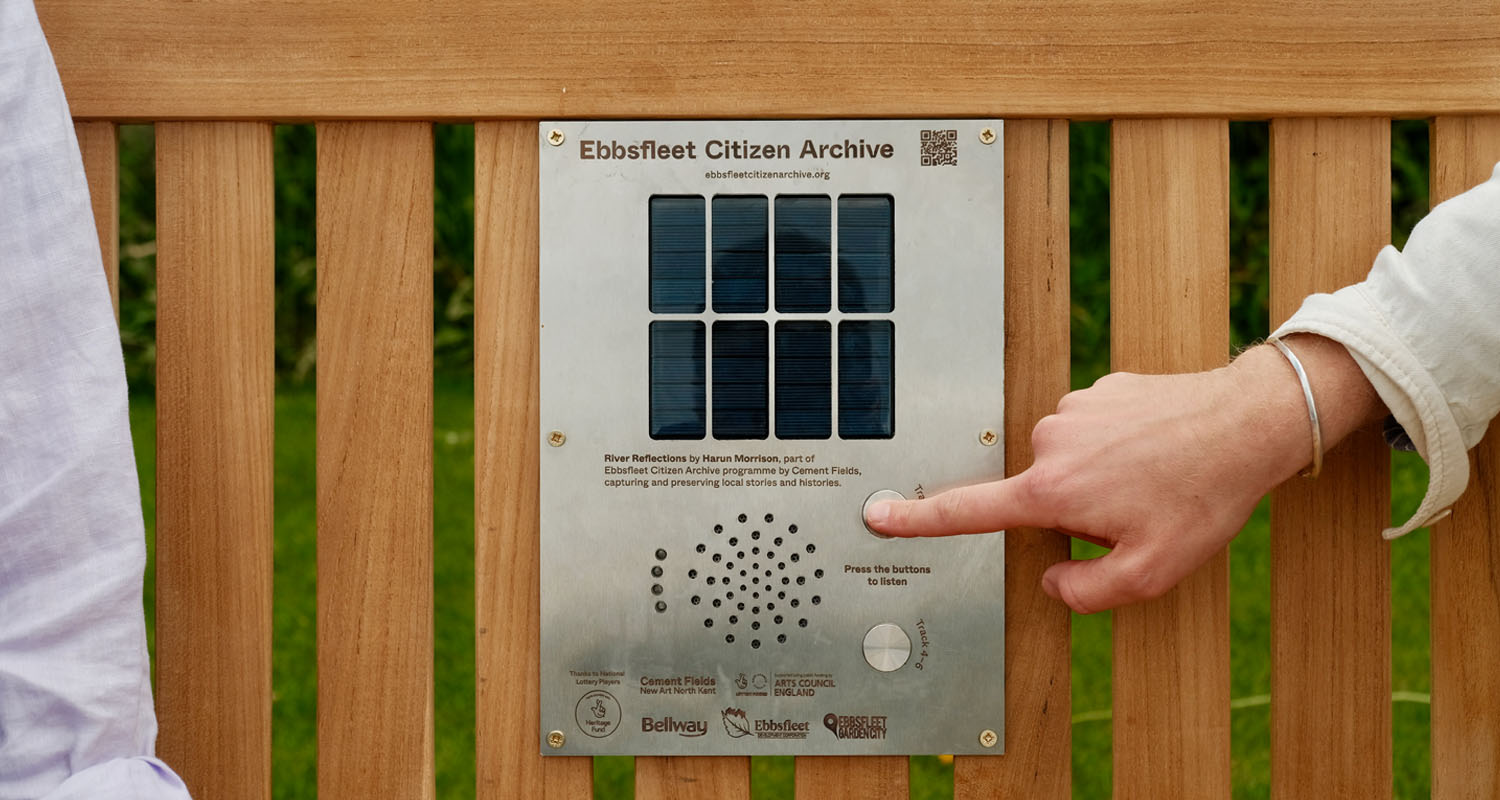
76	718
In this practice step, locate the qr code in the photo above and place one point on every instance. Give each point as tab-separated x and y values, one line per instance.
939	148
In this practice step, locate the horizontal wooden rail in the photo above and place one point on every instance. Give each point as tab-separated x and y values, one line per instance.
450	59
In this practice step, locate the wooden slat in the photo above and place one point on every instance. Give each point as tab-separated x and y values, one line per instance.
214	406
1169	306
506	475
1330	570
1038	698
1465	551
430	59
99	144
375	629
692	778
876	777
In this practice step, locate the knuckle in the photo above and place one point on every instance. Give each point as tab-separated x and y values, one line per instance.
1044	488
1047	430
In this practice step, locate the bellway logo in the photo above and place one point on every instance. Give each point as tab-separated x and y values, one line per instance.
691	728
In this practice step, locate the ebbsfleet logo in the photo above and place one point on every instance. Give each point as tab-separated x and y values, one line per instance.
688	728
739	725
781	729
855	726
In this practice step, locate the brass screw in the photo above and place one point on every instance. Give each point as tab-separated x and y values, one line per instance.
556	739
555	137
987	135
988	738
556	438
988	437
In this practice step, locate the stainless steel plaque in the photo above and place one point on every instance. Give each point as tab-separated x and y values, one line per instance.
749	328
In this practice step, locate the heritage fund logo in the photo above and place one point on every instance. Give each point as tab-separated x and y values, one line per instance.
863	726
690	729
597	714
739	725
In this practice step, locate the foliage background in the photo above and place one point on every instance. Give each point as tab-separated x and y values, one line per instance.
294	646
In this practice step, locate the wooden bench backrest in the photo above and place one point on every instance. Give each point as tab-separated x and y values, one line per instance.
213	76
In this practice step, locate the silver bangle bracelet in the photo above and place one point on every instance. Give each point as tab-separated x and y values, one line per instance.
1312	409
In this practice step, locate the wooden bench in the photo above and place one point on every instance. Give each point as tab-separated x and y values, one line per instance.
215	75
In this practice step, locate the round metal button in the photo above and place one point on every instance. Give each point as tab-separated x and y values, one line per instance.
878	497
887	647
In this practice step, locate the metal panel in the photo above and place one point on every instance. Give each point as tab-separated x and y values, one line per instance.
638	534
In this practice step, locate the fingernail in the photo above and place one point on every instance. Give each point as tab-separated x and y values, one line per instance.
879	514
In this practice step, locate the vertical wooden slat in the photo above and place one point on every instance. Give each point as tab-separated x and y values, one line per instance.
99	144
215	257
1330	570
1169	276
1038	701
853	776
1465	551
506	475
375	629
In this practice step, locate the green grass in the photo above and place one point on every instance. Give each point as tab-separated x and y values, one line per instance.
294	676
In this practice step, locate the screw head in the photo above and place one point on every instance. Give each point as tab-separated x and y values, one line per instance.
557	438
556	739
987	135
988	738
555	137
988	437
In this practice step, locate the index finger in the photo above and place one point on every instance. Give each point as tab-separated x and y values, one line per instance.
980	508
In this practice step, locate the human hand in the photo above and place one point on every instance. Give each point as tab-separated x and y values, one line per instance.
1162	469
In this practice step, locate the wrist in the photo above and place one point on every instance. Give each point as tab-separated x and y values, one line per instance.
1344	398
1274	413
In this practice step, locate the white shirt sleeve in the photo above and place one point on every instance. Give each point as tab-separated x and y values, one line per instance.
1425	328
76	718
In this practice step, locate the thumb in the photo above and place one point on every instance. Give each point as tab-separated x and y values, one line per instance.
980	508
1114	579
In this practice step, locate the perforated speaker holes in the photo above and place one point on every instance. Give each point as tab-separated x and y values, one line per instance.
754	580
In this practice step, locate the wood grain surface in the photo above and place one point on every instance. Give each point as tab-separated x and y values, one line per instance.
874	777
449	59
375	628
99	144
1038	698
1330	569
214	407
1465	548
692	778
1169	307
507	474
